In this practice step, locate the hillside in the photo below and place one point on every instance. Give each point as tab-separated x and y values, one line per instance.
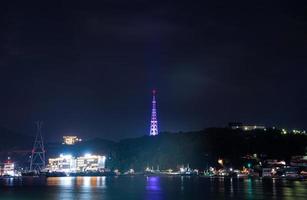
169	150
11	141
203	148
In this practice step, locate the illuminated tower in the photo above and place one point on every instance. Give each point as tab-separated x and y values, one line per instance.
154	122
37	163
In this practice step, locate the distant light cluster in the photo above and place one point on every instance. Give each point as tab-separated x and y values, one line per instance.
294	131
246	127
241	126
71	140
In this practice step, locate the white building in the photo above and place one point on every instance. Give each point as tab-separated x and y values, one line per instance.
9	168
68	163
64	163
90	163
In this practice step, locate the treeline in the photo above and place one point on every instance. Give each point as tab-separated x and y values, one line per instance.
204	148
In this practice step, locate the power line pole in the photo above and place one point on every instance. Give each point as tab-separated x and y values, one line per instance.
37	163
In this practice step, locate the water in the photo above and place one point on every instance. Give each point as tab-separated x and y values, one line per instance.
150	188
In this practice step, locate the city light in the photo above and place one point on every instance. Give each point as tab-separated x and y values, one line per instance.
284	131
103	158
66	156
220	161
71	140
87	155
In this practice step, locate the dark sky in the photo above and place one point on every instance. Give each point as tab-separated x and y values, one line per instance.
88	68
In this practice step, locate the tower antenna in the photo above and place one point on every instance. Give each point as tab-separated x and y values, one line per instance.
154	121
37	163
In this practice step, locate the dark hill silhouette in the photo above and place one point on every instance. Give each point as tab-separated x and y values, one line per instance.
199	149
11	140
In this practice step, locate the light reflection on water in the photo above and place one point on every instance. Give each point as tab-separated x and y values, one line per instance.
77	187
9	181
153	183
153	188
249	189
150	188
83	182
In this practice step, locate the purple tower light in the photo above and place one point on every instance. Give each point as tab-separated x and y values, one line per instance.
154	122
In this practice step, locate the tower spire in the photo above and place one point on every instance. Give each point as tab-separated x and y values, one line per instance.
38	152
154	122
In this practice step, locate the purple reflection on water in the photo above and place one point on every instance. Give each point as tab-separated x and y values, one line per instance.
153	188
153	183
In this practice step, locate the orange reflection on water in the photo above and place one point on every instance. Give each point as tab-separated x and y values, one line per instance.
60	181
77	181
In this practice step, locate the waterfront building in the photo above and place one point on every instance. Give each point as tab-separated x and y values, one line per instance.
90	162
154	121
64	163
68	163
9	168
71	139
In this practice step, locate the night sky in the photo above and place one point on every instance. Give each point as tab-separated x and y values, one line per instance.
88	68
